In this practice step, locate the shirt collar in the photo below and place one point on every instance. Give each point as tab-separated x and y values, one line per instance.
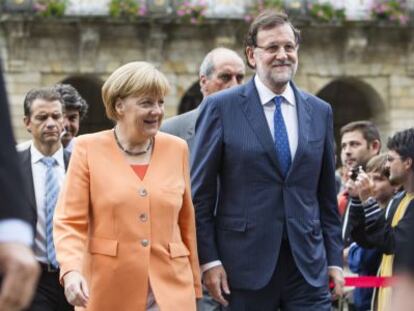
36	155
266	95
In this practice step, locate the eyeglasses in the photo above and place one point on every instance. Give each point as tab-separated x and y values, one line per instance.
275	49
391	159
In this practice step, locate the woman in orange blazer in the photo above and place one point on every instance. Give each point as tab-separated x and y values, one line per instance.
124	225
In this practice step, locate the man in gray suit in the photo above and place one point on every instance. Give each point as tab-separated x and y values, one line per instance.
221	68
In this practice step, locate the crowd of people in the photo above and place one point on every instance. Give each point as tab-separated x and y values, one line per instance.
235	205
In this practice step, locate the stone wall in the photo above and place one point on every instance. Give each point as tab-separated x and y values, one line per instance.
376	61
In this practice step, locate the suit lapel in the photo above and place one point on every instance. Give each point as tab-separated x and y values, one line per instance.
28	177
304	111
255	115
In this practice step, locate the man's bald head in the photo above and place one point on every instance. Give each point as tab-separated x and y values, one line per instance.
222	68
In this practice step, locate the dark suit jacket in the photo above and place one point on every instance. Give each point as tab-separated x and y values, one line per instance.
233	142
26	165
12	203
182	126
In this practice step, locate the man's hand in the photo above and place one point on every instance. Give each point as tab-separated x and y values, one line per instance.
215	279
364	186
76	289
337	277
20	272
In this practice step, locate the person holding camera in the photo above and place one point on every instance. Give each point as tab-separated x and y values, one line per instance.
363	261
389	229
360	141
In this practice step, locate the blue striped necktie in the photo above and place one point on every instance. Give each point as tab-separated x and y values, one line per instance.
281	138
51	194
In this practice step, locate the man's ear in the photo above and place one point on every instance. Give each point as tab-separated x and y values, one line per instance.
26	121
409	162
203	84
250	57
376	146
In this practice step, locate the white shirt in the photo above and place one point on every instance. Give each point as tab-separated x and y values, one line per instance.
39	175
71	144
289	111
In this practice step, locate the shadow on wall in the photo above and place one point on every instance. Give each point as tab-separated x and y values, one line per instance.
351	100
89	87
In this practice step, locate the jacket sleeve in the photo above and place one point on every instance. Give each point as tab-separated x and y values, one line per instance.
187	227
72	212
330	220
391	240
205	166
13	205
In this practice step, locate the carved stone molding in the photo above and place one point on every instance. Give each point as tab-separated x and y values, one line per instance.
155	44
355	44
89	38
17	36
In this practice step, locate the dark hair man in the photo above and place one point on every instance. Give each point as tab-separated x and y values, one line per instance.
221	69
360	141
75	109
389	230
263	181
44	164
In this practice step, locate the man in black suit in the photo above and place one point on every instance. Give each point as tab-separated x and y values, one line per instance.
18	268
44	164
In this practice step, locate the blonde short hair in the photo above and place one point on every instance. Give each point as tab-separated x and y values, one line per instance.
135	78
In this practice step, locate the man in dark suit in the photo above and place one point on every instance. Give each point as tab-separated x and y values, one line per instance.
269	235
221	69
18	267
44	164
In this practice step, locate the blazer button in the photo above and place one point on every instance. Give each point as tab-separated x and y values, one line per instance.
143	192
145	242
143	217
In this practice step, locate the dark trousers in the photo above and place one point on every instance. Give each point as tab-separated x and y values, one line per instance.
49	295
287	291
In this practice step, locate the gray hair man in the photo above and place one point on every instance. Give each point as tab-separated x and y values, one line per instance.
221	68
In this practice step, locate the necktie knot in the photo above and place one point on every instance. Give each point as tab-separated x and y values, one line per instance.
278	101
48	161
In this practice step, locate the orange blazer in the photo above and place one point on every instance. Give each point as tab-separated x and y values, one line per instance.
122	233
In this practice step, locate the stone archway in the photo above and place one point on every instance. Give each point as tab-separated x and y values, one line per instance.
89	88
352	100
191	99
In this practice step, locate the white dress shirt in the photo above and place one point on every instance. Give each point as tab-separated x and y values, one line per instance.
289	111
39	175
71	144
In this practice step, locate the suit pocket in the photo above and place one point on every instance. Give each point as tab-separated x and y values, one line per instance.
231	224
178	250
103	247
315	142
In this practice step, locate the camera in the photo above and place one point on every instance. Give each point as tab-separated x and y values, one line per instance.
354	173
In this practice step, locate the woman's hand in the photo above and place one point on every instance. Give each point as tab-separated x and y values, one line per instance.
76	289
